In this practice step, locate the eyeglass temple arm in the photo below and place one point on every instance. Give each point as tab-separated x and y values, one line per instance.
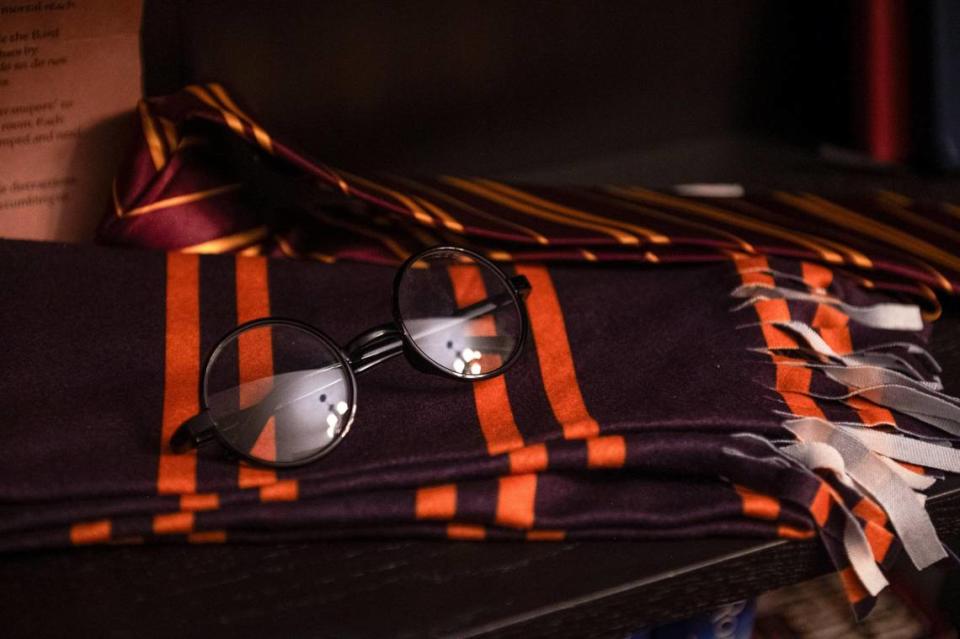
192	433
199	429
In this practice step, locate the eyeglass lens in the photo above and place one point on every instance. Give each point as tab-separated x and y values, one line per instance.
278	393
460	313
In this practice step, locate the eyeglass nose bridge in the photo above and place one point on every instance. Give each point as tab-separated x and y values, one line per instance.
383	342
374	346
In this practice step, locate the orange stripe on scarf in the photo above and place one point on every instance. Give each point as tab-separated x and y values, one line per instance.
173	523
606	452
833	326
255	359
553	352
200	501
758	505
790	532
545	535
436	502
470	532
207	537
283	490
529	459
490	395
178	473
792	382
516	498
90	532
852	586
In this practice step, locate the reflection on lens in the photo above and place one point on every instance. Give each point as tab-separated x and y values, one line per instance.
460	313
279	393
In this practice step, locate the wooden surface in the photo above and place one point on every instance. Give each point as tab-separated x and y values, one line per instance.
396	589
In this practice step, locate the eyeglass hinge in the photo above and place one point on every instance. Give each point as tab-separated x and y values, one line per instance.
521	285
192	433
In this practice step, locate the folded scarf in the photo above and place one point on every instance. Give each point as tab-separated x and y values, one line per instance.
731	384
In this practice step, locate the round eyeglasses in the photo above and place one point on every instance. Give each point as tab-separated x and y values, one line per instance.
455	314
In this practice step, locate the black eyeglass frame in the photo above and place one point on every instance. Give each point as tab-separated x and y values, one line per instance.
369	349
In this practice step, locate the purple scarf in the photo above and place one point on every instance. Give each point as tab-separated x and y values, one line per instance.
771	381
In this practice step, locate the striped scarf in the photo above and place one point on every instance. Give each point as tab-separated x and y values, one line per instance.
757	360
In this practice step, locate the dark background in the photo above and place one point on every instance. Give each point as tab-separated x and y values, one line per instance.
656	92
520	87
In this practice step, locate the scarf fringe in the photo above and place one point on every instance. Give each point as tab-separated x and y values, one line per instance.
857	463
